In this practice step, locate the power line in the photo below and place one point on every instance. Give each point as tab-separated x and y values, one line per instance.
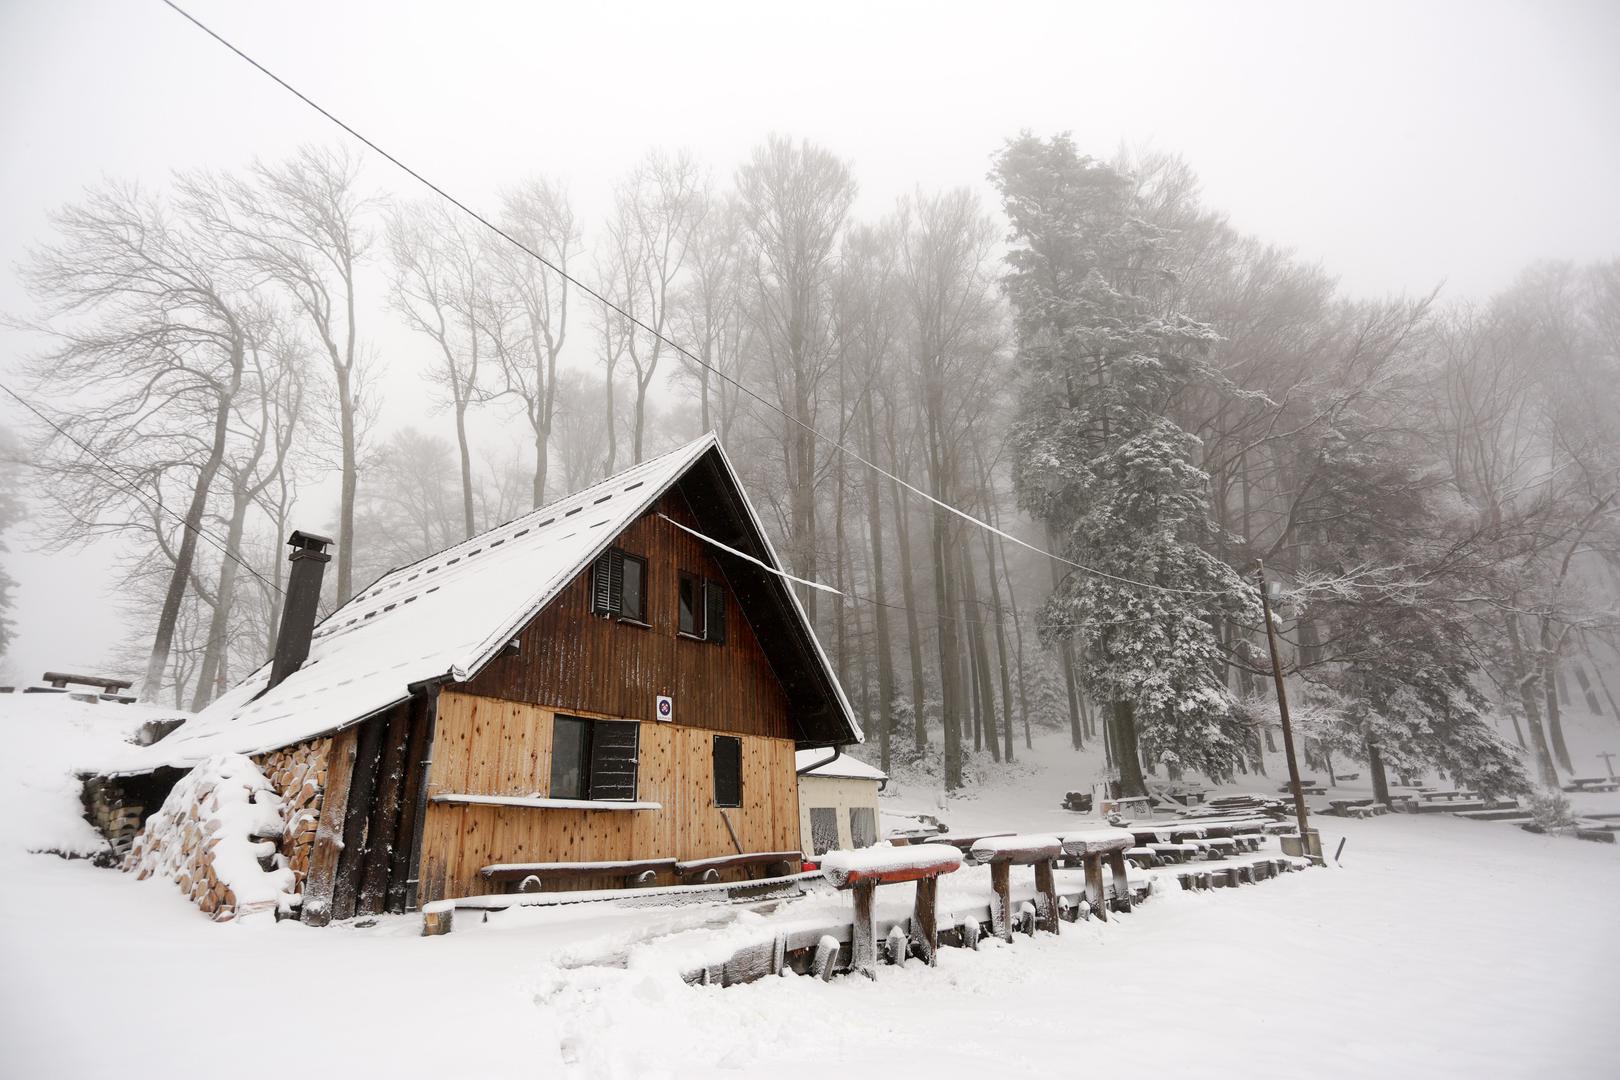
676	347
135	488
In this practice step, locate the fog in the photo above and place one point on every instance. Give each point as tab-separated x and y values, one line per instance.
1402	147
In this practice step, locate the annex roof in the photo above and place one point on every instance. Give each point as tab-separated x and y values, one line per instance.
843	767
447	615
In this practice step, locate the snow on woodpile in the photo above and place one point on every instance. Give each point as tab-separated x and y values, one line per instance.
215	836
885	861
298	776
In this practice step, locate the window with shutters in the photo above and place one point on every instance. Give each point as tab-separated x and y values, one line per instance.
823	829
594	759
703	609
727	771
619	585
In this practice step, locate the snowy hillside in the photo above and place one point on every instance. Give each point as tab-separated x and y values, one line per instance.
1434	950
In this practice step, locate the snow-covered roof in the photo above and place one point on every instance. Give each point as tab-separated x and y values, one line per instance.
845	767
444	616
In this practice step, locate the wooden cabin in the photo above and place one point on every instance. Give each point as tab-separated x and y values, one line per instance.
621	677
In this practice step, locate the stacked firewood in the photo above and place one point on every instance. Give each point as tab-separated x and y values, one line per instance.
298	775
216	836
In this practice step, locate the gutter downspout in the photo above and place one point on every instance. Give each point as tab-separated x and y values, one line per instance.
837	752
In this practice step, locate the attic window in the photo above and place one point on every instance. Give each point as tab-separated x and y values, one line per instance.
619	585
702	609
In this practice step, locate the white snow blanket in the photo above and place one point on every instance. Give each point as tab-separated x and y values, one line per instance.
212	836
50	738
1096	841
992	847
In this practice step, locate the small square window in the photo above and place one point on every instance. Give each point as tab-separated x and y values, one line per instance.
727	771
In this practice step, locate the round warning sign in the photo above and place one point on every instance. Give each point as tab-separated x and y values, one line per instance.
666	707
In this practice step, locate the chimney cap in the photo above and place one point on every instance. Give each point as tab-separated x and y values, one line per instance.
302	539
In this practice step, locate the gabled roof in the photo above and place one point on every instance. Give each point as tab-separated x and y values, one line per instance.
447	615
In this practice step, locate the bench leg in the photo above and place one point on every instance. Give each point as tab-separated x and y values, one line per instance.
1001	905
863	942
1095	893
1046	900
925	921
1122	883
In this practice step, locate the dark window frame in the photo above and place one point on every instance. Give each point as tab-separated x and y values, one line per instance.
733	749
586	729
690	620
706	608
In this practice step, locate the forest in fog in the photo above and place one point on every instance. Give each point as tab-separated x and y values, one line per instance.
1097	364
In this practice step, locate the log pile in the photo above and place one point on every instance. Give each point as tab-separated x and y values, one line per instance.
216	836
298	775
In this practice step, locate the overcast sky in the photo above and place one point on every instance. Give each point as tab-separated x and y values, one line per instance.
1400	145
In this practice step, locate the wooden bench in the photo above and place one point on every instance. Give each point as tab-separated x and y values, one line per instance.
705	871
863	871
1001	854
1367	810
1094	847
635	871
1592	783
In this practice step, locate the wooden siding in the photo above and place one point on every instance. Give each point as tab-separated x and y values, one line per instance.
486	746
574	661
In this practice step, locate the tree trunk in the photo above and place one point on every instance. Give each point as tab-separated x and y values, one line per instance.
1375	766
219	619
180	576
1525	679
350	482
913	630
880	611
981	652
1125	752
467	516
1549	684
1593	706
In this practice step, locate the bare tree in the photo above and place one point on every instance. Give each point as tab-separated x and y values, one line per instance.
538	213
149	349
655	212
306	226
441	282
795	199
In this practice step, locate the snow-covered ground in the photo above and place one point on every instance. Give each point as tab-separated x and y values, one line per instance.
1440	948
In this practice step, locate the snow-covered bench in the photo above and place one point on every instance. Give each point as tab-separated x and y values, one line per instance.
864	870
1002	853
1093	847
705	871
533	876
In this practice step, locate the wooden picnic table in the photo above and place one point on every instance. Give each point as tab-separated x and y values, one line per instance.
1592	783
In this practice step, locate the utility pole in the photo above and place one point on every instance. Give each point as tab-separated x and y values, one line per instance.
1282	708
